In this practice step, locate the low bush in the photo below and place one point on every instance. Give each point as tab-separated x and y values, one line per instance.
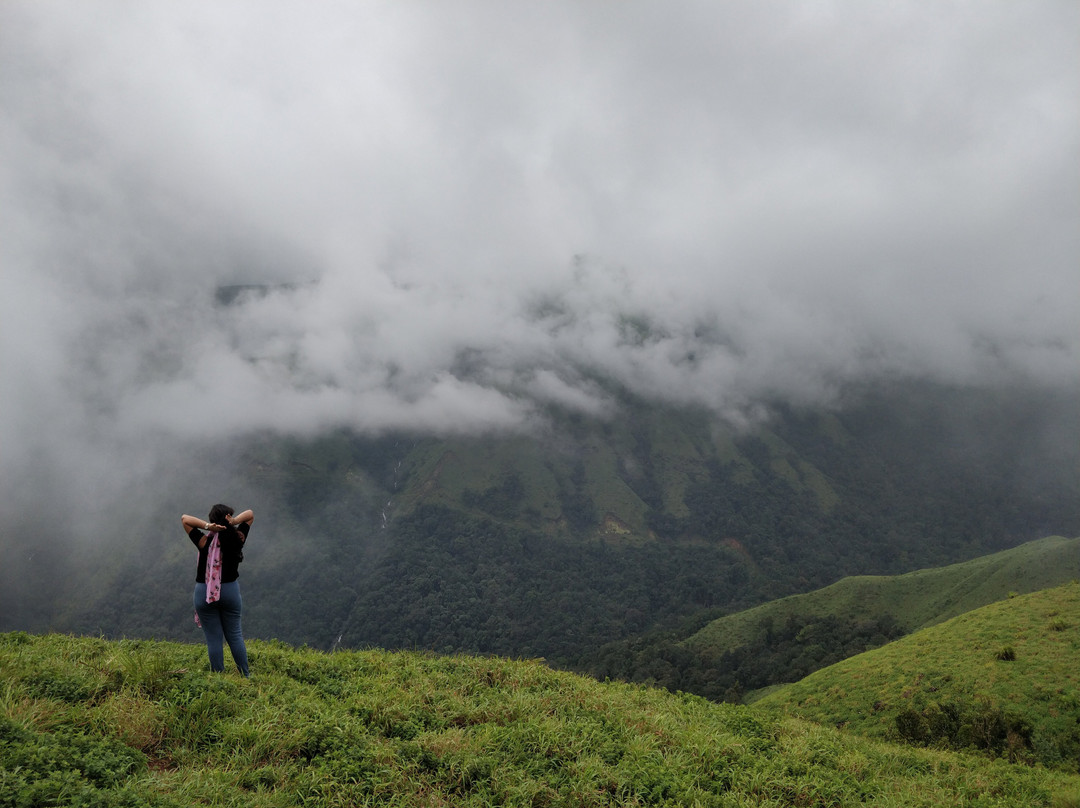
955	725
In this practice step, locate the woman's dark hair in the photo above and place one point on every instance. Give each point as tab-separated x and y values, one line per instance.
219	514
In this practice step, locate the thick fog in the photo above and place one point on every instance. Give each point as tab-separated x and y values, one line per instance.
222	218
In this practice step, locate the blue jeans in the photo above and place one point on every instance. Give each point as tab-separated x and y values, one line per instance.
221	621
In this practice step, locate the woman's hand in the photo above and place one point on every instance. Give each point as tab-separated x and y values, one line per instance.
190	522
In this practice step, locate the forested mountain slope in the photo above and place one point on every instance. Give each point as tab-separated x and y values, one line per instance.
584	531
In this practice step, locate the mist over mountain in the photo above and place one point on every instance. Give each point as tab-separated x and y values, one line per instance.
244	226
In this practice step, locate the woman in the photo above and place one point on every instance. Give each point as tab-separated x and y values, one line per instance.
217	593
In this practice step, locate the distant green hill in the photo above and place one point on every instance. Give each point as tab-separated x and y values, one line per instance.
1004	677
912	601
786	639
136	724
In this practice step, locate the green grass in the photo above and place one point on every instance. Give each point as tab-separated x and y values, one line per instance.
85	721
914	600
1005	677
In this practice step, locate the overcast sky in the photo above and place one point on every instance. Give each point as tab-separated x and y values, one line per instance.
464	209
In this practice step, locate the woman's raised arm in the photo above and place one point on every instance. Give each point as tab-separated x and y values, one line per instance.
198	522
246	516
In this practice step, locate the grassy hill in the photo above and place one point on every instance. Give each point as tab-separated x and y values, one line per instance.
1005	677
85	721
914	600
786	639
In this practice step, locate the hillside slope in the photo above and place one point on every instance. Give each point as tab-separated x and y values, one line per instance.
913	600
786	639
91	722
1004	677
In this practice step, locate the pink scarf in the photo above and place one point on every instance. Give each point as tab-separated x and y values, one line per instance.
213	573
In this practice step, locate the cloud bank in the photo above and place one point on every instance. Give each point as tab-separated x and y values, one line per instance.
443	216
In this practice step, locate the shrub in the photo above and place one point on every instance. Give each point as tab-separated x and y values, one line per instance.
955	725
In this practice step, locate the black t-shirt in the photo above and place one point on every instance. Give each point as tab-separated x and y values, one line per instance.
232	546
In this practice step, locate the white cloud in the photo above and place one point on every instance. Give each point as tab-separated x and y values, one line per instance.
468	209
